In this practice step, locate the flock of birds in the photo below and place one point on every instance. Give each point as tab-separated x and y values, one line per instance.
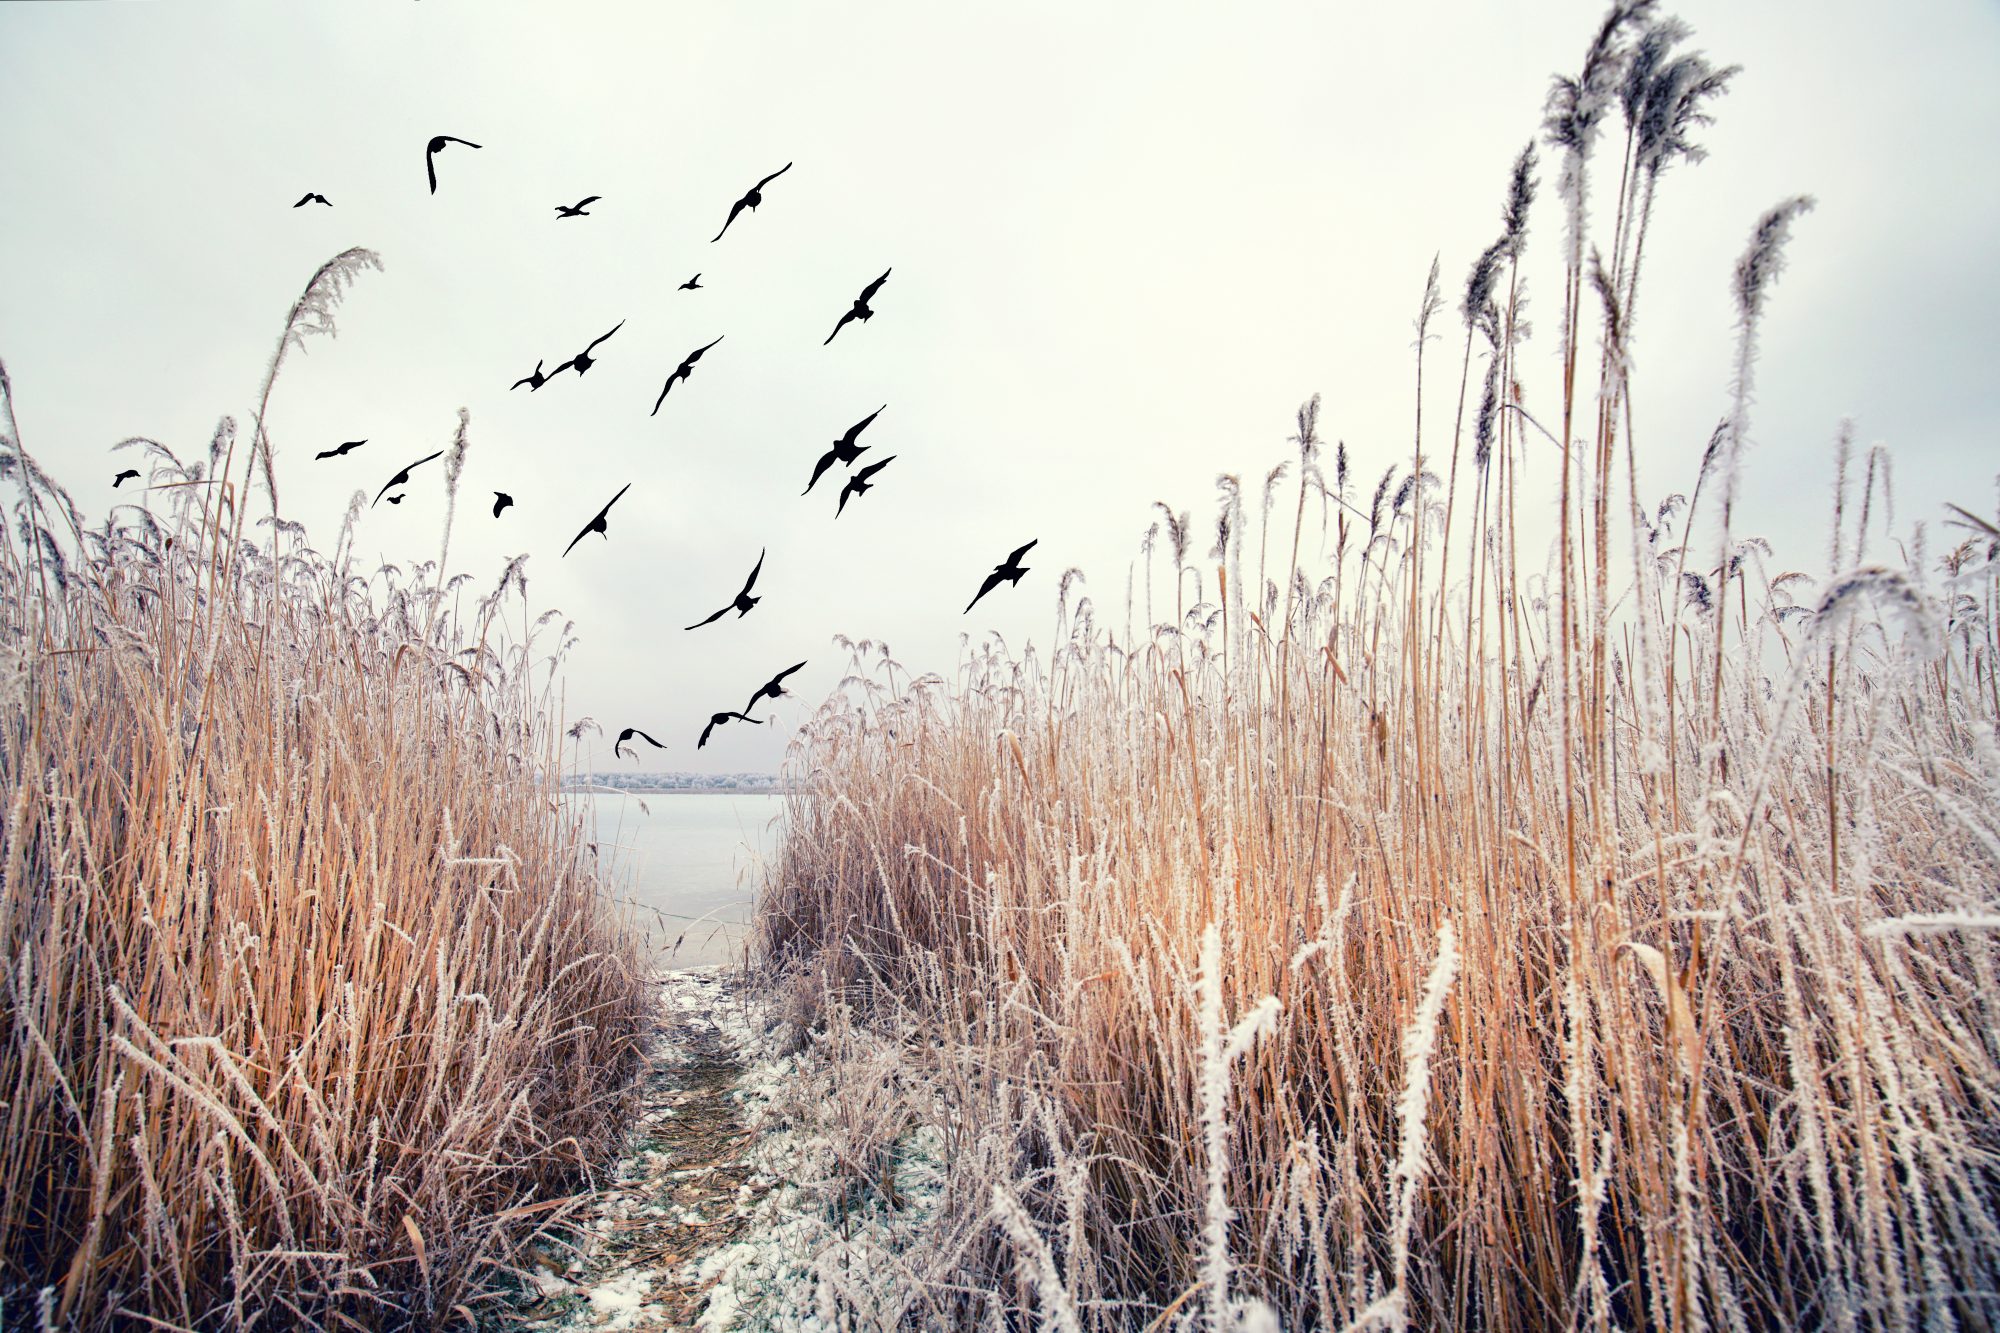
845	451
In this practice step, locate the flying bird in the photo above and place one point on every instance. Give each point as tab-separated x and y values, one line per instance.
402	478
681	372
431	152
744	601
597	524
123	477
576	210
500	501
773	689
628	734
534	379
584	360
722	719
858	483
313	199
394	500
844	450
750	200
691	285
861	310
1009	570
336	453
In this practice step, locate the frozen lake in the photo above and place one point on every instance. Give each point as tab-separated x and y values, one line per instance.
689	864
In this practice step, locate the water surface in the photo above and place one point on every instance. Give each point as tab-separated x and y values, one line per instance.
688	864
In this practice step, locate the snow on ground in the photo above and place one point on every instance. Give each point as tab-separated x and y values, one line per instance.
756	1194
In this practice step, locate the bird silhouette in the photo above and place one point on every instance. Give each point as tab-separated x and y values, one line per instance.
750	200
861	310
681	372
123	477
628	734
844	450
774	688
722	719
403	477
691	285
858	484
431	152
313	199
336	453
584	360
597	524
535	379
576	210
394	500
500	501
744	601
1009	570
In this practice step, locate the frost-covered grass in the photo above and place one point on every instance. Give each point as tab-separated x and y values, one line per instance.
313	1011
846	1181
1599	938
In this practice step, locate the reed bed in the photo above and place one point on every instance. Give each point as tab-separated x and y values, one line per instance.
1413	929
313	1012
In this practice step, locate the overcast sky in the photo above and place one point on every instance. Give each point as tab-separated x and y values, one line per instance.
1128	240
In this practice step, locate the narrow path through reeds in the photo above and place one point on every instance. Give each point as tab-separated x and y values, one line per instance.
681	1190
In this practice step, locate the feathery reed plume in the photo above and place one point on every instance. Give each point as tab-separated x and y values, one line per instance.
311	315
454	464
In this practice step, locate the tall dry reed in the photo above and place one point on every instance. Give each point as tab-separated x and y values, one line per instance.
1629	915
313	1013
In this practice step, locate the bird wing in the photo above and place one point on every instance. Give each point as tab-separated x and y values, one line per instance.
663	394
579	537
869	291
695	355
303	202
852	487
648	739
452	138
617	746
582	204
819	469
710	620
992	582
755	569
326	453
1020	551
400	478
838	327
734	209
863	424
704	734
430	165
873	468
604	512
614	328
773	176
560	369
525	379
